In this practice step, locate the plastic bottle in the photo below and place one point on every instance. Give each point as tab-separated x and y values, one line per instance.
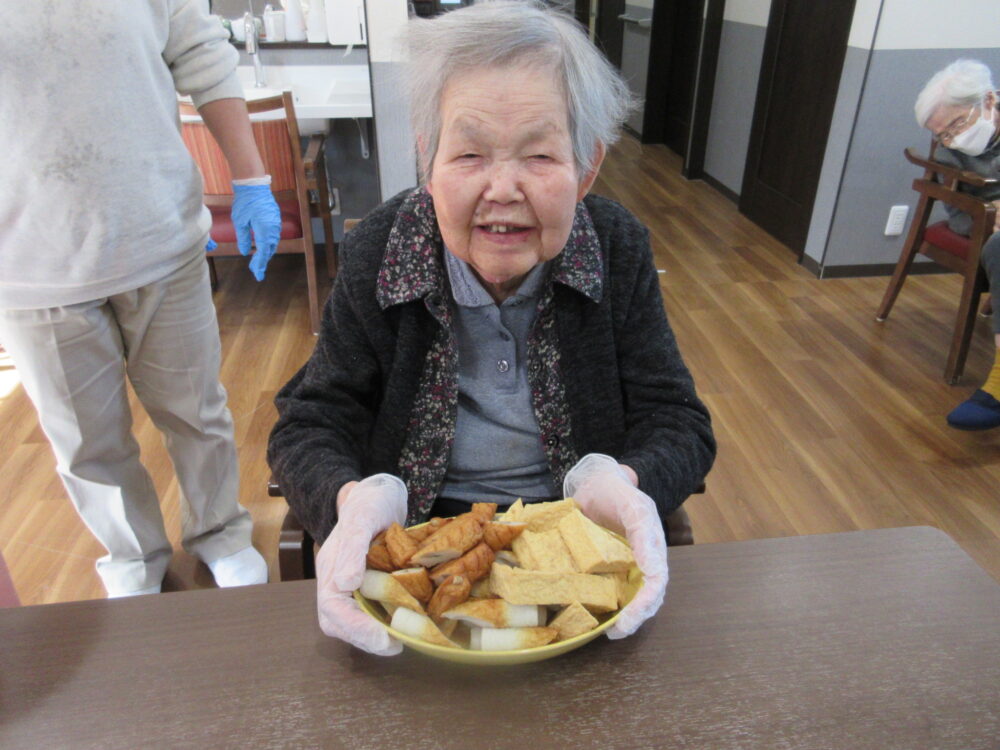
295	22
316	23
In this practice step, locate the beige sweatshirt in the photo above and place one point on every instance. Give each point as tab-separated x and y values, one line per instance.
98	194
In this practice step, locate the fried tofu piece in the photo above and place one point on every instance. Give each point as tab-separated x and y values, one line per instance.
520	586
543	550
497	613
400	546
513	512
474	565
419	626
418	535
383	588
500	534
481	589
510	639
449	542
378	558
572	621
593	548
545	516
416	581
507	557
484	511
452	592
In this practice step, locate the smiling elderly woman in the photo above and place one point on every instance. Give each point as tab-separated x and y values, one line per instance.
496	333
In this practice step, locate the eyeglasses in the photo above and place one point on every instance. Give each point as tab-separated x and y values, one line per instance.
955	127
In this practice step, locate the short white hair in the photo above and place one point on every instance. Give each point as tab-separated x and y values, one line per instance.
963	83
514	33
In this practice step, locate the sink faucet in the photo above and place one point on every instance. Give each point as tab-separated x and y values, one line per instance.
252	46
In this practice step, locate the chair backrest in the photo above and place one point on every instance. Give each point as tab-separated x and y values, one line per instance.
277	140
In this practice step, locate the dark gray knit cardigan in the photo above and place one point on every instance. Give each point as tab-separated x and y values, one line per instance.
346	414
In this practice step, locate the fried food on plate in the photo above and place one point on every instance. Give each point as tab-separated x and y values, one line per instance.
450	541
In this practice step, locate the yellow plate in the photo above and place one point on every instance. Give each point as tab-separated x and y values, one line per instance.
518	656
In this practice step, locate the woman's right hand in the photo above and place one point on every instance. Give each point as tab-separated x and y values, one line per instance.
368	507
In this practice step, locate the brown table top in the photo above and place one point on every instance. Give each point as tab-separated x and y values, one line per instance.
870	639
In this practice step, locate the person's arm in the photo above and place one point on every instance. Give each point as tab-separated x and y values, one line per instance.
229	123
325	411
669	442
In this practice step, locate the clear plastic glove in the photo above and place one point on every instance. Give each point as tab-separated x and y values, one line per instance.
372	505
255	210
605	494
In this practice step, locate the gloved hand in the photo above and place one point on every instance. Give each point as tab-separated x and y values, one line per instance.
606	496
210	245
254	208
372	505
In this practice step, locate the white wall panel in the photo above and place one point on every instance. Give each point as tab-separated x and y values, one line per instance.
939	24
754	12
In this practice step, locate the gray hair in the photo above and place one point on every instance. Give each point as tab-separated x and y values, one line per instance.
515	32
964	83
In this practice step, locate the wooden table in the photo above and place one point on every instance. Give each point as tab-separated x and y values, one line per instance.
872	639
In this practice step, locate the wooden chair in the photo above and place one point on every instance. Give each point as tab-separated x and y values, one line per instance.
953	251
298	181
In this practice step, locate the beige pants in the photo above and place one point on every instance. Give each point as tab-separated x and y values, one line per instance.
73	362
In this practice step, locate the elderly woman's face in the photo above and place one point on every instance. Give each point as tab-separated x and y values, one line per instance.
504	181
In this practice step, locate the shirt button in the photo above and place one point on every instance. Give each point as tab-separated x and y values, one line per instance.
505	337
552	441
503	365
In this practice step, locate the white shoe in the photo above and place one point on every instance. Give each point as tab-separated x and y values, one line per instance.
242	568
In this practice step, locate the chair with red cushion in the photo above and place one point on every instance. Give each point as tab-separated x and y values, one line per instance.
298	182
953	251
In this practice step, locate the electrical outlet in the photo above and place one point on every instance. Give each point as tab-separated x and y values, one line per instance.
897	220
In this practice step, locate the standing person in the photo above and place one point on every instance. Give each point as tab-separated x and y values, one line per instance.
496	333
102	269
960	107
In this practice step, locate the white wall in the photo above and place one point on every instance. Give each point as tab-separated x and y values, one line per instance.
936	24
754	12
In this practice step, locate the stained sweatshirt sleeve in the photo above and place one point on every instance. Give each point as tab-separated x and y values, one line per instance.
199	55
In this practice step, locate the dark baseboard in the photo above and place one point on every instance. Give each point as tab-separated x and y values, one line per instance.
868	269
731	195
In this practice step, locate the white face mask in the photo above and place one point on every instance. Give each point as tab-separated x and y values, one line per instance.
974	140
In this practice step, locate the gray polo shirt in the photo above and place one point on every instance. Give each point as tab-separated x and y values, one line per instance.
497	454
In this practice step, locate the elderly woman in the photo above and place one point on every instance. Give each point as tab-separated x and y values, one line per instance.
959	106
495	333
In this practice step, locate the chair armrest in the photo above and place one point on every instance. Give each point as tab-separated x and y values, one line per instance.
947	172
979	210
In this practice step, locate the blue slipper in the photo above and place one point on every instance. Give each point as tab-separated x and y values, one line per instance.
979	412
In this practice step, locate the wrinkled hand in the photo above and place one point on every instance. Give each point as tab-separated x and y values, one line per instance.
605	494
372	505
255	210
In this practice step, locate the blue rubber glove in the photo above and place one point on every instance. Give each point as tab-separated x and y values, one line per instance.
254	208
210	245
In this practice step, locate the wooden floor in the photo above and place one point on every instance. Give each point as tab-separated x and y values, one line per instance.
826	420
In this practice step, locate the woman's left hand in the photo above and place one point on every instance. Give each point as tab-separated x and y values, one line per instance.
606	494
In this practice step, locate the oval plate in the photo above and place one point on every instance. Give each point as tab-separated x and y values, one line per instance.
519	656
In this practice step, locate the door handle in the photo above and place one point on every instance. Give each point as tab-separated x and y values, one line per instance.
642	23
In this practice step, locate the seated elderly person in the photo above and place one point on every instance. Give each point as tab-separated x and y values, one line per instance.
496	333
959	106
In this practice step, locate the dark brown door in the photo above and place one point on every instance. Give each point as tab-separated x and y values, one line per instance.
673	70
800	72
608	29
